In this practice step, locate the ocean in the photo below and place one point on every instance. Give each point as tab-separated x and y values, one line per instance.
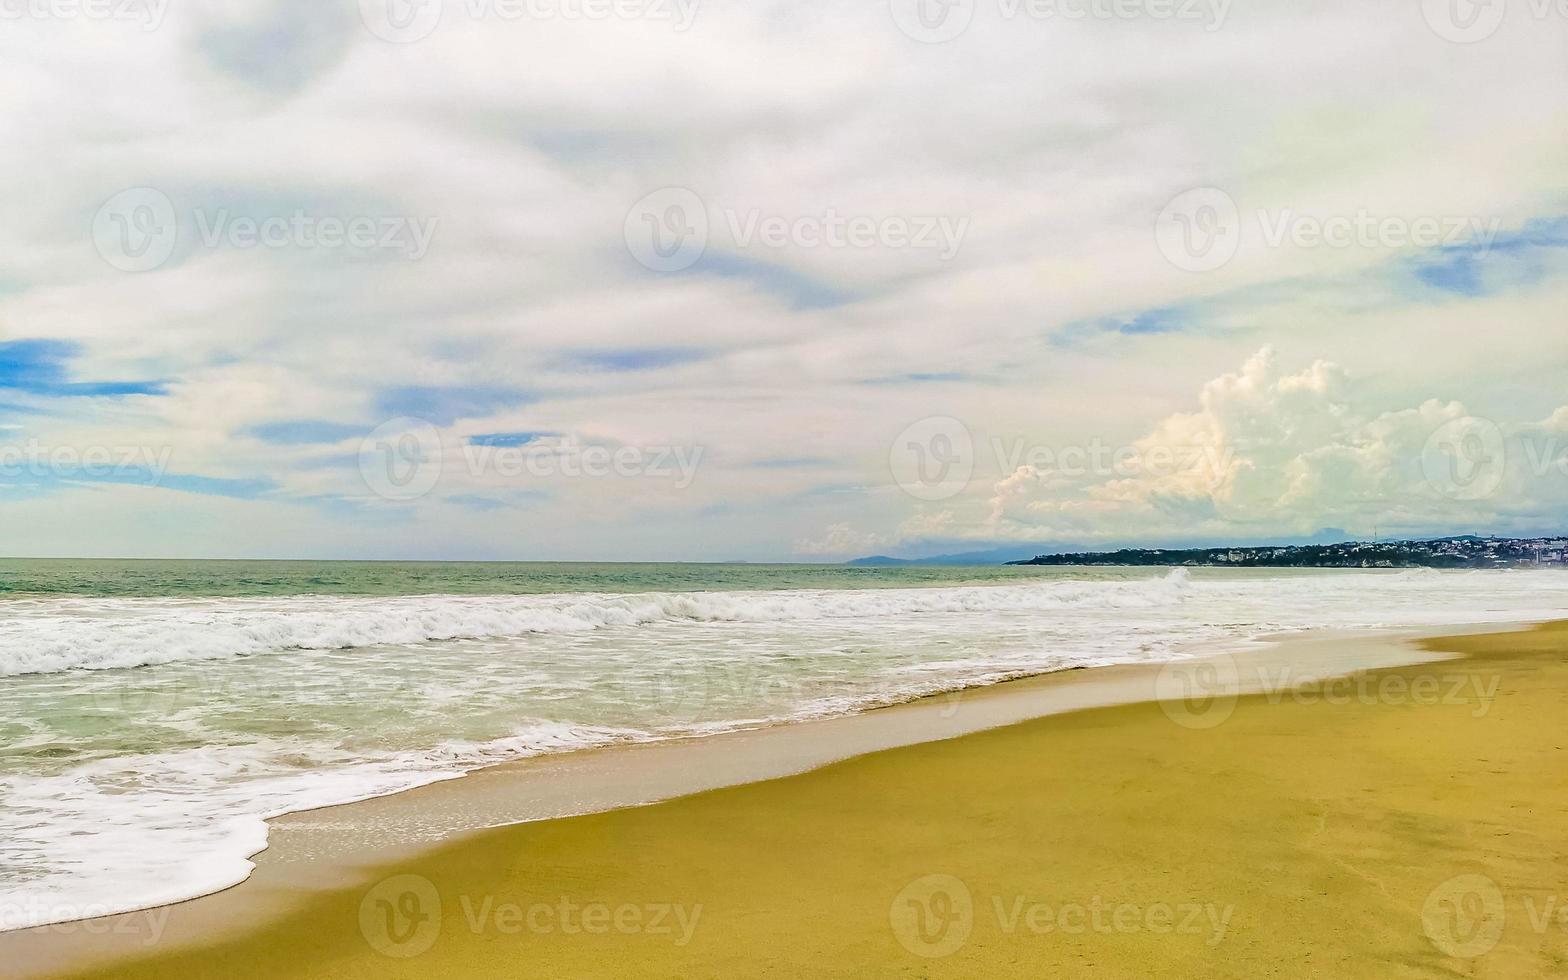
153	713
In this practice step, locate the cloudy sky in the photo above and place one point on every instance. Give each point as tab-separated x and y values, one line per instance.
692	279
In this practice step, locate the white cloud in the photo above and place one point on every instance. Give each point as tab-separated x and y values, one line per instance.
1057	142
1271	452
839	541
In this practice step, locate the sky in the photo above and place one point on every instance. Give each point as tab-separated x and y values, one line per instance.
793	281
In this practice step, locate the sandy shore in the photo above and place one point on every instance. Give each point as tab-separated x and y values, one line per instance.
1270	803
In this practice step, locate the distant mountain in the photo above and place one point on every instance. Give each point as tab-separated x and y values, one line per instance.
1460	551
995	556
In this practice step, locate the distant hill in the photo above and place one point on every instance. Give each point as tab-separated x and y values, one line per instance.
1461	551
993	556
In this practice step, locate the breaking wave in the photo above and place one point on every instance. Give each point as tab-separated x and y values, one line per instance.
50	636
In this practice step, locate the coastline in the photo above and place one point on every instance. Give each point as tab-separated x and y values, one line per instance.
321	851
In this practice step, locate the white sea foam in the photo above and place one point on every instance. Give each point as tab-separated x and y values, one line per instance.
107	634
123	789
142	851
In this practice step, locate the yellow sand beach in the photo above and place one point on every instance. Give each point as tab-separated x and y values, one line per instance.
1407	822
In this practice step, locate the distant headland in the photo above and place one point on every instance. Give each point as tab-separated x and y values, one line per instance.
1463	551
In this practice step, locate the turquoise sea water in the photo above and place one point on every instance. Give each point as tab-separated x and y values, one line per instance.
152	713
272	578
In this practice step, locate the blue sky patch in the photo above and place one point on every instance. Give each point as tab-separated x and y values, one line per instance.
509	440
38	367
140	476
794	463
800	291
306	432
1141	323
636	358
445	405
1480	268
919	377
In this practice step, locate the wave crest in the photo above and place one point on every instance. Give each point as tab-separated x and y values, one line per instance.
49	636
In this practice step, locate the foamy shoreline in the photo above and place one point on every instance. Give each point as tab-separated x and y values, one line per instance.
330	847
